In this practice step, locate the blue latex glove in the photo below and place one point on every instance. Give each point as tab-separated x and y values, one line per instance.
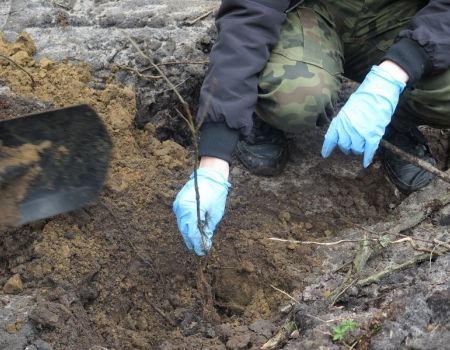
213	190
360	124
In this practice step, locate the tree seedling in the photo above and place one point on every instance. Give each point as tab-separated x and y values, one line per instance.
340	331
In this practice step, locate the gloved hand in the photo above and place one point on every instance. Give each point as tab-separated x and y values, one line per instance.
213	189
360	124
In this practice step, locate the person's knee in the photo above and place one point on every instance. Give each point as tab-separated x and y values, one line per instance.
291	104
427	102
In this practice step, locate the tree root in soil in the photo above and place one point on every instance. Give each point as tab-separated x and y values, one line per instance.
209	312
415	260
369	247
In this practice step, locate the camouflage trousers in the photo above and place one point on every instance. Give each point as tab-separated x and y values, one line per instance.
323	41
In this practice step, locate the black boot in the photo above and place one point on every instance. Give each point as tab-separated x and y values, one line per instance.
406	176
266	152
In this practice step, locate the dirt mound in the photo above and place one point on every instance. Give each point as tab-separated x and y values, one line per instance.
90	257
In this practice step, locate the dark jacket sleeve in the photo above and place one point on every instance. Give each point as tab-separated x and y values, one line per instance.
423	48
247	30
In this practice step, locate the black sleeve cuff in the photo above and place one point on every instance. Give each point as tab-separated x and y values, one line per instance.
218	140
409	55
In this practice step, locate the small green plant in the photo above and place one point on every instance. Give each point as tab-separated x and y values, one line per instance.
340	331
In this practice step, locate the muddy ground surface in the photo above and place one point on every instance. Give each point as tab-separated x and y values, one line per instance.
116	275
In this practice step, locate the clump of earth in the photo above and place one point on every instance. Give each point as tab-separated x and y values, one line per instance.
116	274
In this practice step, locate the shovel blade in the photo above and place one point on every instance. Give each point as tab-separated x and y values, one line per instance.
69	172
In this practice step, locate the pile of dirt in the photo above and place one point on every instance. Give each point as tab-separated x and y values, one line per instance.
117	275
67	255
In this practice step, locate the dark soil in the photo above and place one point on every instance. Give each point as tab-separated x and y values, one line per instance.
116	274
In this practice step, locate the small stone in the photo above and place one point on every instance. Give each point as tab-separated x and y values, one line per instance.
14	285
43	345
142	323
31	347
69	235
308	226
247	266
11	328
150	128
65	251
240	341
131	323
49	315
286	309
209	332
224	330
263	327
22	58
88	293
4	90
45	62
284	216
139	342
236	172
295	334
44	318
353	291
291	246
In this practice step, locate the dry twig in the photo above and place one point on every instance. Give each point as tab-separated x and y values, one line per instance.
342	241
286	294
64	7
379	275
159	311
415	160
201	17
189	119
138	73
388	237
444	244
412	240
181	63
203	285
33	82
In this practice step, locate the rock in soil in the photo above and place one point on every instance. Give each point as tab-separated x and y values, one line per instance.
14	285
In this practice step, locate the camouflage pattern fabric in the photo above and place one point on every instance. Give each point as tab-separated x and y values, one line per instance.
323	41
